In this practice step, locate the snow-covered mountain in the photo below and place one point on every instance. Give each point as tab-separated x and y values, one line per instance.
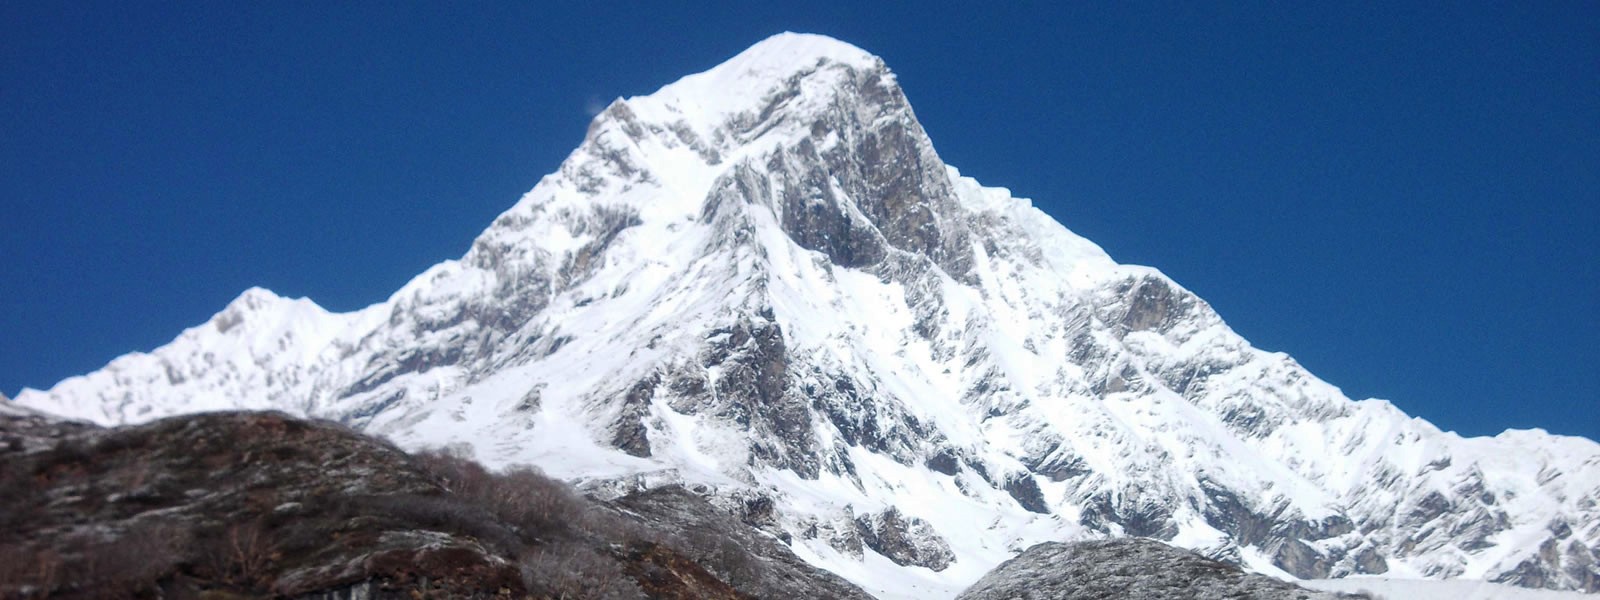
762	280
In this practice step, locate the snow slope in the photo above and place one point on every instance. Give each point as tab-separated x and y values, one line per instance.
762	280
1384	588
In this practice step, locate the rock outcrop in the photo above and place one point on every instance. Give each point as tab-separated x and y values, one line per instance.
1129	568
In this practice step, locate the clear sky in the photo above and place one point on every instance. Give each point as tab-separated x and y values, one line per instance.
1405	198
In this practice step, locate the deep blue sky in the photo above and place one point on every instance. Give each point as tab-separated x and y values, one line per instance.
1406	199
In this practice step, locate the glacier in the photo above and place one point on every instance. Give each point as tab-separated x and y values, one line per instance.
762	281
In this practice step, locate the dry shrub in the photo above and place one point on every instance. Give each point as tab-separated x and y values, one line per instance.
135	560
28	573
69	459
22	495
248	550
719	553
242	554
137	474
534	503
569	571
523	497
121	565
612	525
447	513
454	470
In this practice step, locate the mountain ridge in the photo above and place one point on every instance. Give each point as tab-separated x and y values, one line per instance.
763	279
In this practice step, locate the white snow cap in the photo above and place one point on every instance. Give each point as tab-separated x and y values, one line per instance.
741	82
784	52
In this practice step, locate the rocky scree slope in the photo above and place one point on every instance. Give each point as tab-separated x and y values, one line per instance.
227	505
762	281
1129	568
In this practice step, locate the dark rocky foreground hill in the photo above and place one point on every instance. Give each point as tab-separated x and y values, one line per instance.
1128	568
240	504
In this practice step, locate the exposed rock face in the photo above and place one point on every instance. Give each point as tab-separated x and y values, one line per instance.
1132	568
904	540
630	433
1560	559
761	281
1026	491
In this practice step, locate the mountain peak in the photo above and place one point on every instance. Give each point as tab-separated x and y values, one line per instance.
762	279
254	298
762	76
261	304
790	51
